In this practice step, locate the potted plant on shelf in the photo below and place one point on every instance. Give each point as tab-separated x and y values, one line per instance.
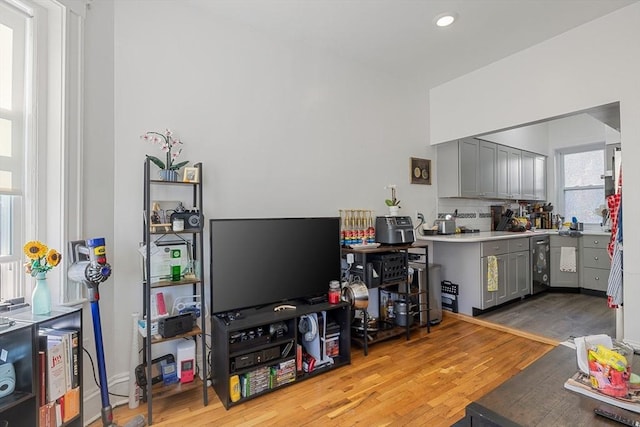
41	260
393	203
168	169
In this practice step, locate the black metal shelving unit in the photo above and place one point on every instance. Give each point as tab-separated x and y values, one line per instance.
394	287
193	237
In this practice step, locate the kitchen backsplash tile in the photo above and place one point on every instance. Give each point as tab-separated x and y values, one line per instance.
472	213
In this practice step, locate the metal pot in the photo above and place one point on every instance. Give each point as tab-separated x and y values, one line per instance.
402	313
445	226
356	294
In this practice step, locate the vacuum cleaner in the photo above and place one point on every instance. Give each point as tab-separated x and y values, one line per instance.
89	266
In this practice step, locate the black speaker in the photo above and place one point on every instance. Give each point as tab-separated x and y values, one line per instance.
175	325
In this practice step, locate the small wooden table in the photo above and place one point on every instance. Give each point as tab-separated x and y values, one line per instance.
537	397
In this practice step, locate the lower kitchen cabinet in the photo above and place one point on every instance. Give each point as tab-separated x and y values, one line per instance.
564	279
514	279
595	262
519	274
493	298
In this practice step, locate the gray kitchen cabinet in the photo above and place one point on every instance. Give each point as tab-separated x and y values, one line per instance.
469	164
519	269
564	279
513	271
595	262
499	249
475	168
527	178
515	171
466	168
493	298
464	261
508	171
519	281
540	178
487	169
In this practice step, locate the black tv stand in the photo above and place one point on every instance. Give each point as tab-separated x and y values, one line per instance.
316	300
263	349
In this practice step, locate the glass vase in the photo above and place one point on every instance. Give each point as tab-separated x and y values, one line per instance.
41	296
168	175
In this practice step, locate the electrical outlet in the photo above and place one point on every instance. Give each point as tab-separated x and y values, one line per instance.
419	217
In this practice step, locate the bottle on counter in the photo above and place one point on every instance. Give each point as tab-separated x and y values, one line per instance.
371	231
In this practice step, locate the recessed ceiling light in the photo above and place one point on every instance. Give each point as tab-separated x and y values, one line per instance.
445	19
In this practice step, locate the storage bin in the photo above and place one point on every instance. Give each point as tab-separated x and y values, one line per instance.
449	296
390	267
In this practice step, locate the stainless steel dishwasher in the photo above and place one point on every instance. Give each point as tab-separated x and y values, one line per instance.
540	263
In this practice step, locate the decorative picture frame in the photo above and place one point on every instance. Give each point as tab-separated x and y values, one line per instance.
159	217
420	171
190	175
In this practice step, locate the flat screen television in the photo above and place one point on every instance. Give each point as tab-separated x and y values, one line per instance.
257	262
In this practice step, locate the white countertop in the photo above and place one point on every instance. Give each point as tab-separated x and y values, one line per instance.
484	236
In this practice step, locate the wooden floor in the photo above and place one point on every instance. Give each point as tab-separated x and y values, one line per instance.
559	316
427	380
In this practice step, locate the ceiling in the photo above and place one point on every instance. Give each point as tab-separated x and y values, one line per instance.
398	37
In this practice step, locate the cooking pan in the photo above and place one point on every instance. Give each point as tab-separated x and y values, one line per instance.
356	294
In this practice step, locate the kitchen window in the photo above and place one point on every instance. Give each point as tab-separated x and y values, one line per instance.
581	184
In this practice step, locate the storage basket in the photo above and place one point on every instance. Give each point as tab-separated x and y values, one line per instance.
390	267
449	296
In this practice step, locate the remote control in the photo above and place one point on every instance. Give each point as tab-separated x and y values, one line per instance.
617	417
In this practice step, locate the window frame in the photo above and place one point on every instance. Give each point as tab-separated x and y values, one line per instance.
53	159
562	188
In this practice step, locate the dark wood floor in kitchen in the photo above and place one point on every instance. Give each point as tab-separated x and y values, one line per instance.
557	315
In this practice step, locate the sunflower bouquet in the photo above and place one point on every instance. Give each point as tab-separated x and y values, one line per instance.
41	258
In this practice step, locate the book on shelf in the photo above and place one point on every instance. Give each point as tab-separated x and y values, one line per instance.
581	383
56	377
60	410
47	415
71	404
42	377
71	344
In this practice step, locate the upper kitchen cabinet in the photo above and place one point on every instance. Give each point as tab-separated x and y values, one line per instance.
540	177
527	178
475	168
534	176
467	168
508	167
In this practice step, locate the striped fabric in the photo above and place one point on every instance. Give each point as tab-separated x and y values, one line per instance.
614	288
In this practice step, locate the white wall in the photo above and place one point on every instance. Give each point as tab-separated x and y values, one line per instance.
533	138
594	64
98	194
282	130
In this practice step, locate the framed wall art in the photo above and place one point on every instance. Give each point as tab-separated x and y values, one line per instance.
190	175
420	170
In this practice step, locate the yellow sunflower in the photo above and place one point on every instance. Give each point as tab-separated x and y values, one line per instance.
35	249
53	257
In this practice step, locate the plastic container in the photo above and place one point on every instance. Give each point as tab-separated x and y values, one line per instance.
334	292
610	369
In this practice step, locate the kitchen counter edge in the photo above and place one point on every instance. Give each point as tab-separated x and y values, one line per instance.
484	236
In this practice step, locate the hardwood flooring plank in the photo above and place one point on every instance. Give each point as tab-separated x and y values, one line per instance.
427	380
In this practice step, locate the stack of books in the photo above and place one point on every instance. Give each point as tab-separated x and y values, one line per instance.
59	388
